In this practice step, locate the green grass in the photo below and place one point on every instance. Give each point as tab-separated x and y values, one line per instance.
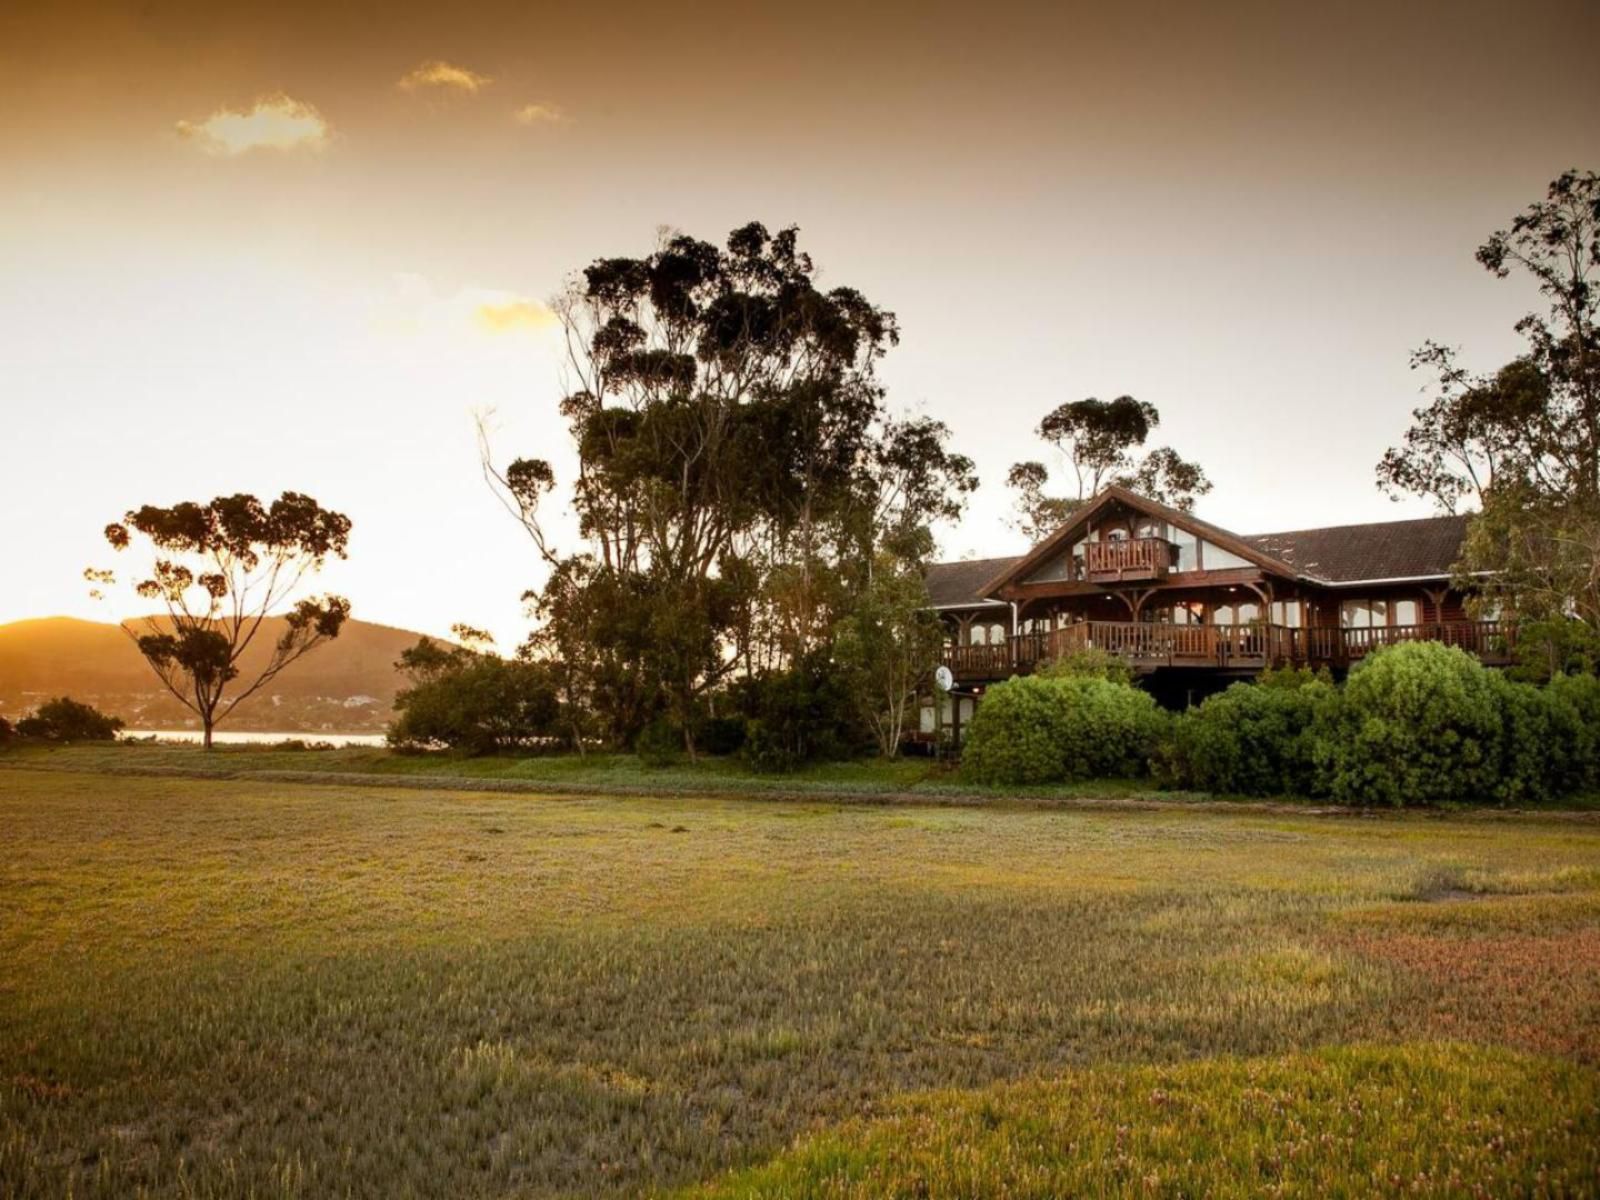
595	772
252	987
1426	1120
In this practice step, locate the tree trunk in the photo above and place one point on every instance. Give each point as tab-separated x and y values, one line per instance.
206	725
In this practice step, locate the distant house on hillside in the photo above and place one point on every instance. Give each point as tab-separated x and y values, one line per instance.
1193	606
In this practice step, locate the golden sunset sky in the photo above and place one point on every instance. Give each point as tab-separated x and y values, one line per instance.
292	245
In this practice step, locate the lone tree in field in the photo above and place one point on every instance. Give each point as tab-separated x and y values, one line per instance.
221	570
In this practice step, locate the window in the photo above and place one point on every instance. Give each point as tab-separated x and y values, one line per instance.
1243	613
1364	614
978	635
1151	528
1286	613
1215	558
1405	612
997	635
1189	612
1188	550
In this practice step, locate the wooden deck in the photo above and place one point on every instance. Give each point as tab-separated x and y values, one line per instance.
1150	646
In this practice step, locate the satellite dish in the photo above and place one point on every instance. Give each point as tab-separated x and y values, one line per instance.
943	678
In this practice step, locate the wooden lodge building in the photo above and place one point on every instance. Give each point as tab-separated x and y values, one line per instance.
1193	606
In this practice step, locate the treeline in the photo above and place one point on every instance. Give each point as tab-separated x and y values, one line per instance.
1414	724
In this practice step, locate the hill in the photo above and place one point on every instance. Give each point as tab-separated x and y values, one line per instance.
347	685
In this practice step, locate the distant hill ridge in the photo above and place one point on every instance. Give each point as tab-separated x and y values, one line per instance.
87	659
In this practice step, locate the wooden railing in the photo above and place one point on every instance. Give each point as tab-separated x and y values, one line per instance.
1130	558
1151	645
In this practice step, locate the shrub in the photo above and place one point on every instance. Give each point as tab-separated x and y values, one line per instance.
721	735
6	731
479	703
1045	729
805	714
1416	723
1254	739
66	720
1544	747
1091	662
659	743
766	751
1581	693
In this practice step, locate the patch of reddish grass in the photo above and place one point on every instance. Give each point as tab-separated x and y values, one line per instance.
1537	992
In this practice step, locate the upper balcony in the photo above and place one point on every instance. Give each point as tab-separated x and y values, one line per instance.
1127	559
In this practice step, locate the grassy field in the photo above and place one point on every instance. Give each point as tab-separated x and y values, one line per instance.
249	987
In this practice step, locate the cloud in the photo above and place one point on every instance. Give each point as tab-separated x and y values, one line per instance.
513	316
539	114
415	310
276	122
438	73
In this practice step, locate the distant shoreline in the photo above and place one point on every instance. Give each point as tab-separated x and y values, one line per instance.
251	737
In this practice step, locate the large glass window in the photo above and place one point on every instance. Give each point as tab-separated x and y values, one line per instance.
1287	612
1405	612
1364	614
1188	550
1215	558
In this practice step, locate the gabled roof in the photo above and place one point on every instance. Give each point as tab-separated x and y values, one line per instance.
1419	549
1114	494
959	584
1425	548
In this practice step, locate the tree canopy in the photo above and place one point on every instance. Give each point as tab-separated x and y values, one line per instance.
219	570
1099	440
1520	445
738	471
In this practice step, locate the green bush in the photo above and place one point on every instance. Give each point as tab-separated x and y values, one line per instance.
1040	729
767	751
1582	694
1416	723
66	720
1254	739
479	703
1091	662
800	715
659	743
1545	750
720	735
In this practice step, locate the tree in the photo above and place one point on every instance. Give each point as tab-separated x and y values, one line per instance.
888	645
735	467
66	720
220	570
469	698
1098	440
1522	444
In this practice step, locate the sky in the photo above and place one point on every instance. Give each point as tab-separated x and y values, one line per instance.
299	246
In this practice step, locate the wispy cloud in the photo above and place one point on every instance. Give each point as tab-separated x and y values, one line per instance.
539	114
513	316
415	310
276	122
436	73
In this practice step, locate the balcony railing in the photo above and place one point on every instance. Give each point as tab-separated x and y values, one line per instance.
1151	645
1130	558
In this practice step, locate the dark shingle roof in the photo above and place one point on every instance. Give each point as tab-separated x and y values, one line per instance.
1423	548
1428	546
954	584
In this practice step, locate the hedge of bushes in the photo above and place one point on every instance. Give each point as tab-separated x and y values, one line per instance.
1417	723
